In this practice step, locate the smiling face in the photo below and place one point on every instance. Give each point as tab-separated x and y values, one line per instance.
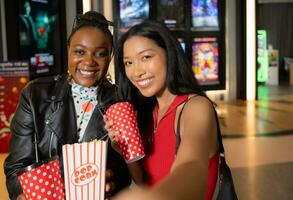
145	65
88	56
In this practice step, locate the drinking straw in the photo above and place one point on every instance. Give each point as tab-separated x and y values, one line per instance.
36	148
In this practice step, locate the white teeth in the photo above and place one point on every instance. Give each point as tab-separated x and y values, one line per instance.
86	73
144	82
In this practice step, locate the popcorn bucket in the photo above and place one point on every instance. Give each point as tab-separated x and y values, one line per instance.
42	180
124	120
84	170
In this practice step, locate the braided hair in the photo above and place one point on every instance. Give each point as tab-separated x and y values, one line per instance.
92	19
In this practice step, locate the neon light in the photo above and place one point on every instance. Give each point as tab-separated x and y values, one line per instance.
262	56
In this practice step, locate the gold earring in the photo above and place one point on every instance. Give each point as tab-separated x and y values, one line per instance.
69	77
109	77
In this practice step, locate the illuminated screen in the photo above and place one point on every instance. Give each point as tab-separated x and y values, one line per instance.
133	12
262	56
205	14
205	60
13	78
166	10
39	36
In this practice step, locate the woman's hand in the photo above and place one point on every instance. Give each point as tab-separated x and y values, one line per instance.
139	193
112	134
110	185
21	197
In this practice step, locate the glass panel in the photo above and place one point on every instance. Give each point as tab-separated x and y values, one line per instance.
133	12
171	13
205	60
40	36
205	14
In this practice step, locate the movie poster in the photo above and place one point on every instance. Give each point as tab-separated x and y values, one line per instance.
171	13
133	12
13	77
39	36
205	14
205	60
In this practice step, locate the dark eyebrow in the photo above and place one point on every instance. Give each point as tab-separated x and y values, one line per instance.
100	47
141	52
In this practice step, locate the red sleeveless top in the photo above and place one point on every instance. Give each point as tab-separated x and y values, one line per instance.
160	157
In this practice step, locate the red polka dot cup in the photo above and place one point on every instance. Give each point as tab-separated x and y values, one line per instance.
124	120
42	181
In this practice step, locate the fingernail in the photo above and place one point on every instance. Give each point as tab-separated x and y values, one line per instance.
108	187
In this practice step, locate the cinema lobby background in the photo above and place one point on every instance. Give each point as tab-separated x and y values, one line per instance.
241	53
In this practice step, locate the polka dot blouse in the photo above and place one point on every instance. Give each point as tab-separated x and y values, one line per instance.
85	100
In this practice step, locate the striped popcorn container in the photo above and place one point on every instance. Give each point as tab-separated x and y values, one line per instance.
84	170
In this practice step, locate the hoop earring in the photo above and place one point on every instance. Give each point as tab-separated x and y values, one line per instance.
109	77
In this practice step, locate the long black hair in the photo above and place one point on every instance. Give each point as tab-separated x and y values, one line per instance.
180	77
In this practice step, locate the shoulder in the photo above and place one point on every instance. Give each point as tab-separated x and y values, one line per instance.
199	111
106	85
199	123
107	88
107	93
49	80
199	104
47	86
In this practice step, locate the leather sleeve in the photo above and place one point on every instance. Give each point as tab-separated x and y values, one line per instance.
23	129
21	146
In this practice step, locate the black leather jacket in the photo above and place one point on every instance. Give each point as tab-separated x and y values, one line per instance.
46	108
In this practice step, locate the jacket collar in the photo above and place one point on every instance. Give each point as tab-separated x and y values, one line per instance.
60	90
61	117
61	98
107	95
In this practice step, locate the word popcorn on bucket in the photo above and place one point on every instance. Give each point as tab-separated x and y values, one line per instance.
84	170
